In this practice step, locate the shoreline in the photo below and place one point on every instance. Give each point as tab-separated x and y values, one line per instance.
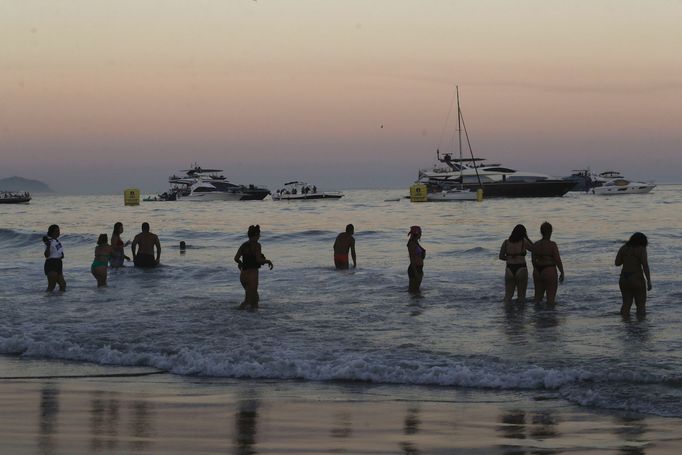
97	409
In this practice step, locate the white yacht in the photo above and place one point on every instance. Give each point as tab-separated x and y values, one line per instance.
208	185
299	191
620	185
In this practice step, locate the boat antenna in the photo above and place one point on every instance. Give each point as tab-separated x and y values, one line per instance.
447	119
466	134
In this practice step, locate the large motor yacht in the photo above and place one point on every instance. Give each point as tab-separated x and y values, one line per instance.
495	180
209	185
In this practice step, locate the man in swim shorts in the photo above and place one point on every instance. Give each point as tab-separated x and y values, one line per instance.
344	242
144	255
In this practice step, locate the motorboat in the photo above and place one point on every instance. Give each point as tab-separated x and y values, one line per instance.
299	191
582	179
453	194
14	197
494	179
208	185
623	186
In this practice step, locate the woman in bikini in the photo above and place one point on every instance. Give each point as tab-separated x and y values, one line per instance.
513	252
415	271
249	259
102	255
546	261
117	247
635	278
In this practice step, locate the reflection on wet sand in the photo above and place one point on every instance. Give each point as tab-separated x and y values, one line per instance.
49	410
104	420
343	425
411	427
141	424
246	420
632	430
520	425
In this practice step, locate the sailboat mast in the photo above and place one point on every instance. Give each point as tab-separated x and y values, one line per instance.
459	136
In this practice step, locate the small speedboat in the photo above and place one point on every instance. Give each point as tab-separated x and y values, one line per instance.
14	197
453	194
623	186
300	191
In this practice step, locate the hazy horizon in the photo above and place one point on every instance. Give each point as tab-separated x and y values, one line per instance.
96	97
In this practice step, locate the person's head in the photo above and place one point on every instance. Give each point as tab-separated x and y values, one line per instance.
350	229
518	233
638	239
145	227
254	231
103	239
53	231
182	245
118	229
546	230
415	232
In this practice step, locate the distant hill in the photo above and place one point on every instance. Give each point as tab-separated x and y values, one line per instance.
22	184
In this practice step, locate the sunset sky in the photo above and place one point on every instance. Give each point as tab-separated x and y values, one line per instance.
96	96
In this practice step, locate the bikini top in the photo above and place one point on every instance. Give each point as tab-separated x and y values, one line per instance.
523	248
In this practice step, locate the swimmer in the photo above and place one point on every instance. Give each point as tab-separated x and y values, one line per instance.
415	271
54	253
117	247
183	247
147	241
249	259
344	242
546	261
102	255
635	278
513	252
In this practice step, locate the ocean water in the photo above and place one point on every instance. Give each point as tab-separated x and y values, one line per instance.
318	324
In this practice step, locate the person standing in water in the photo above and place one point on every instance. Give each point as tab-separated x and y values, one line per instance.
117	247
249	259
546	261
54	253
513	252
415	271
102	255
635	277
344	242
147	242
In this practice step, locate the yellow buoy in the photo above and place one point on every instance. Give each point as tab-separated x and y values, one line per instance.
479	194
418	192
131	196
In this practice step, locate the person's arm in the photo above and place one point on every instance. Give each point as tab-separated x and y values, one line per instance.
352	253
503	251
557	261
158	248
264	260
619	257
527	244
645	267
133	247
47	247
237	257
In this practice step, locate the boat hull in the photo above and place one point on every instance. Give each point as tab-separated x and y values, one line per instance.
451	196
623	190
19	200
224	196
305	197
543	188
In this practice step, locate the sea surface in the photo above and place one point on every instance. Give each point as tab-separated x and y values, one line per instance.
319	324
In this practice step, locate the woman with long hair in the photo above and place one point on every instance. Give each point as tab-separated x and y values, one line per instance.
117	247
249	259
417	253
635	277
513	252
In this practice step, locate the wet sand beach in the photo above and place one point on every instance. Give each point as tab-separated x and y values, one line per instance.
162	413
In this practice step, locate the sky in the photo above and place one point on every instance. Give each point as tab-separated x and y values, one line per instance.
99	96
